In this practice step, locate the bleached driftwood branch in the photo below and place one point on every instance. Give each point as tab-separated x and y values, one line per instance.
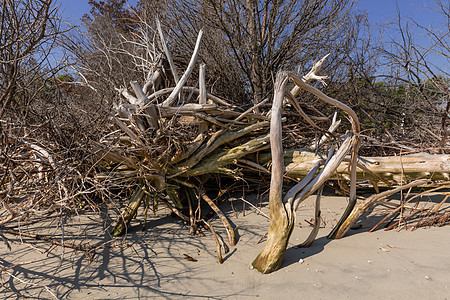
282	212
170	100
383	170
167	52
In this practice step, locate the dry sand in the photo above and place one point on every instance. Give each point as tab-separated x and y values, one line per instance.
379	265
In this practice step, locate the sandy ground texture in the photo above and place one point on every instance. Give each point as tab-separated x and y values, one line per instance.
152	264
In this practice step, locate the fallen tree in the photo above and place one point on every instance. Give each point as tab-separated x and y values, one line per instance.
305	164
166	147
379	170
168	141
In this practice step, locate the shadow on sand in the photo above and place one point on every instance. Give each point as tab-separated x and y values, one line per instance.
142	264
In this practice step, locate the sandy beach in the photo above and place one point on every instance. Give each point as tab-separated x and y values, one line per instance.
152	264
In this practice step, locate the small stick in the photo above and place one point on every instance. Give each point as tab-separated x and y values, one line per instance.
191	215
226	223
79	247
312	236
203	94
175	210
219	242
260	240
251	109
440	204
173	68
256	208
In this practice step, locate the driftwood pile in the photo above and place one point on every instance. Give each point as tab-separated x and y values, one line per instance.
168	142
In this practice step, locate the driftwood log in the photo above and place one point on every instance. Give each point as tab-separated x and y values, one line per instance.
379	170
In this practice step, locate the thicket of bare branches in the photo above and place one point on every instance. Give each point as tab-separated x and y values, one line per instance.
28	31
399	85
247	42
44	131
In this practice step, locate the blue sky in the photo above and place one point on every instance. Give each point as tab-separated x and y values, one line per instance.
379	11
73	10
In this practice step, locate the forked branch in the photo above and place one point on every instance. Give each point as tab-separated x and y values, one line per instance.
282	213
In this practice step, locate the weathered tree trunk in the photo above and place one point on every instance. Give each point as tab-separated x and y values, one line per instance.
394	170
282	218
282	211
